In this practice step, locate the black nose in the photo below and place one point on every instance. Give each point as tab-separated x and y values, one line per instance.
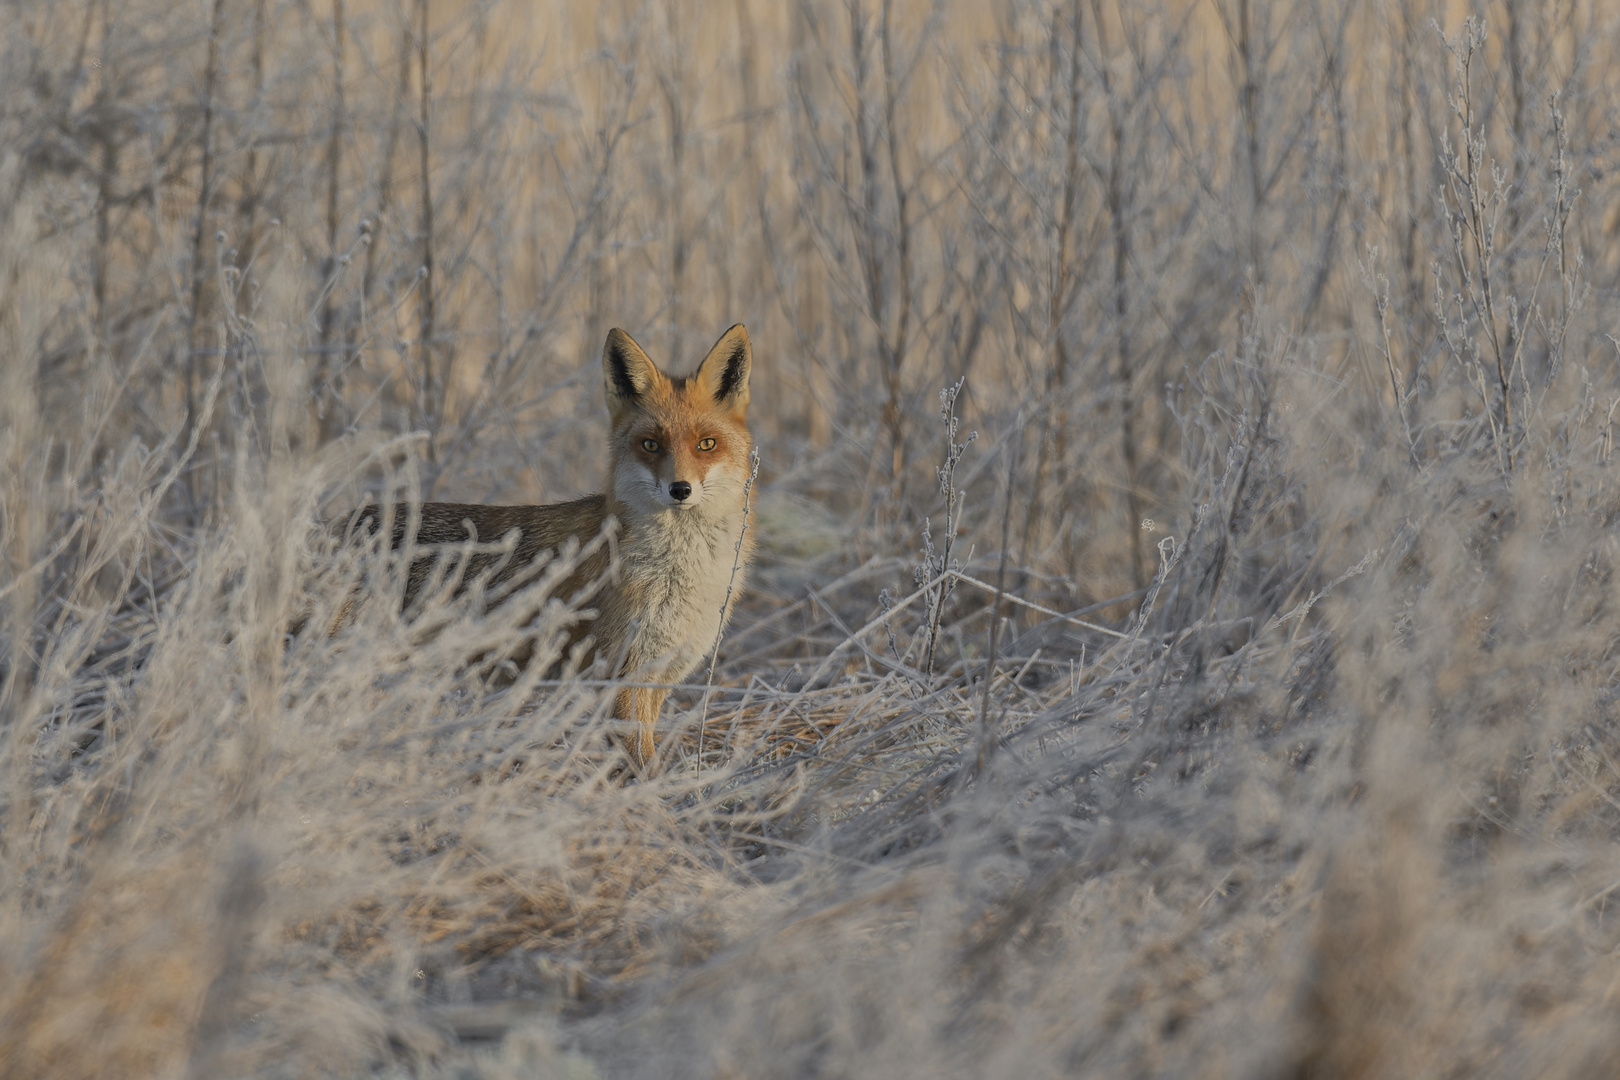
679	490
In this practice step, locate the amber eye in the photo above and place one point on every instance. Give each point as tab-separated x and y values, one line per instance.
705	444
650	445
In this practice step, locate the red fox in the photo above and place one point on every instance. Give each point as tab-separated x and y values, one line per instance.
678	470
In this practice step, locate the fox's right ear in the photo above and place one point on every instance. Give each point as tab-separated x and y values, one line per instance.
627	372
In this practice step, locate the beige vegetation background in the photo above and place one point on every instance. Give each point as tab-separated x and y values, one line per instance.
1287	329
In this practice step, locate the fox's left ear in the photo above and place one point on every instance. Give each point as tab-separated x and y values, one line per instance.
723	375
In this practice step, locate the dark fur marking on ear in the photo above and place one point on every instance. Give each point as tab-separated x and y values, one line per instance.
619	363
731	378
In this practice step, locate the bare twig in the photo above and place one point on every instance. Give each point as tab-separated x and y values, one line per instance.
725	605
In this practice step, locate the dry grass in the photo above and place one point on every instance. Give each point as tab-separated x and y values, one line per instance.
1240	702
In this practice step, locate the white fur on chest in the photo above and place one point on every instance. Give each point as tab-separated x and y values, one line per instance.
676	568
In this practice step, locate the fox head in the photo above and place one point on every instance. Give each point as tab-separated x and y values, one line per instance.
679	444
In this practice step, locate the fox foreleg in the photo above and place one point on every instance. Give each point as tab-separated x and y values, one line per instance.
641	704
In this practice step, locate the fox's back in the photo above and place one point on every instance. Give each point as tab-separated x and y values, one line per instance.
539	528
542	531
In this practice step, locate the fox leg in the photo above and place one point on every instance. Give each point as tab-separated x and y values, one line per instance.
641	704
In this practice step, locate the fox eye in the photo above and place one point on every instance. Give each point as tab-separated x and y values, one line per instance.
705	444
650	445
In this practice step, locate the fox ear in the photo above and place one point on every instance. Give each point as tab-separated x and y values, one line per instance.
723	375
627	372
